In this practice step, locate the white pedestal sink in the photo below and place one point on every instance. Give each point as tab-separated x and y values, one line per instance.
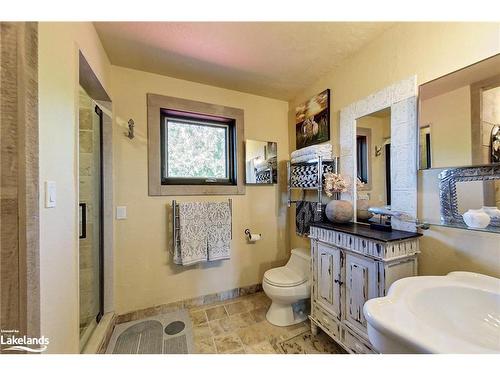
456	313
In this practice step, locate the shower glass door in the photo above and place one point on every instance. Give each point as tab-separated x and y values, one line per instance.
90	204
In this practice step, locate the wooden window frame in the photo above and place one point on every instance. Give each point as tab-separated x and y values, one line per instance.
229	128
157	105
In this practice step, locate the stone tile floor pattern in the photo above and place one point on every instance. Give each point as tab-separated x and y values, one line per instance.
307	343
239	326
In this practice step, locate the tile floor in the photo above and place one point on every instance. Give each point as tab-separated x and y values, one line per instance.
239	326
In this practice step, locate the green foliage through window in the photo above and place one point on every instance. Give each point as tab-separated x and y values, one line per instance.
196	150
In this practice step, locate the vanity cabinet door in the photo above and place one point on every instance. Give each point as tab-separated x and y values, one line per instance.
361	284
328	278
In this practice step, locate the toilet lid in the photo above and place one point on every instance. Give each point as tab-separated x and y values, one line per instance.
283	276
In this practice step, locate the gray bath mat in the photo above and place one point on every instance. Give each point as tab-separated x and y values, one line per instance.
175	345
170	333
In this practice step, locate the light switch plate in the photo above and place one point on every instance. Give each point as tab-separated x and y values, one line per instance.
121	212
50	194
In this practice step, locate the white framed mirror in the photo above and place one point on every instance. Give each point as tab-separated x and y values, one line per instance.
400	101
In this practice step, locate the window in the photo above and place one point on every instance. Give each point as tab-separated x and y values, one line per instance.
362	157
196	149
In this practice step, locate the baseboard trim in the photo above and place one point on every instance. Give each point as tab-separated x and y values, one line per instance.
188	303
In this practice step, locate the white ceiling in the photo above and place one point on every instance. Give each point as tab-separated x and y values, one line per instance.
274	59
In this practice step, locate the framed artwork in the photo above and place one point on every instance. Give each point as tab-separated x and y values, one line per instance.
312	120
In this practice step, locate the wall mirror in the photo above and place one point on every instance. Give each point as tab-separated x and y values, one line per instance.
459	117
451	192
373	159
372	130
261	162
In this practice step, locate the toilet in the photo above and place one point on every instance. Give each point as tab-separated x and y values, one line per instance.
287	285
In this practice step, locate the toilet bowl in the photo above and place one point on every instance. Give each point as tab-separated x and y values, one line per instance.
287	285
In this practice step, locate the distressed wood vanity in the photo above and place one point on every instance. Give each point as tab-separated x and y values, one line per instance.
351	264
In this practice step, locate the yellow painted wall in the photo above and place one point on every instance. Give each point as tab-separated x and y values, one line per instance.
450	118
58	131
428	50
144	273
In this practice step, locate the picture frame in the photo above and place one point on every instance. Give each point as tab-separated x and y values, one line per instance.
312	120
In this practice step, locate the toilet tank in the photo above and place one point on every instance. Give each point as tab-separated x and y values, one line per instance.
300	261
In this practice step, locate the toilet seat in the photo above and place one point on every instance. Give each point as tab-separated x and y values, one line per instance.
284	277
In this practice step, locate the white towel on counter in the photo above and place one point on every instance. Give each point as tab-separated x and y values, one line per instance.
192	247
322	149
219	231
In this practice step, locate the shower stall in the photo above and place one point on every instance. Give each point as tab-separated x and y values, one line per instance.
91	247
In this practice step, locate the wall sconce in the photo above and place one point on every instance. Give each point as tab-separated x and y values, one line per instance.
378	150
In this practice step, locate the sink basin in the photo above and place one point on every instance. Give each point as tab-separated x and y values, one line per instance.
456	313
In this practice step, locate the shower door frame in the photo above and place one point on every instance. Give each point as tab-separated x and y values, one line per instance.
89	81
101	214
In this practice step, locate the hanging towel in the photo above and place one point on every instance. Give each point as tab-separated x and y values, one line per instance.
192	233
306	213
219	230
306	176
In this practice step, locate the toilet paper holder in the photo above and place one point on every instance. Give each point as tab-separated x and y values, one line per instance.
252	237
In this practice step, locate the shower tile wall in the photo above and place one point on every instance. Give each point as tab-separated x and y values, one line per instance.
89	267
19	186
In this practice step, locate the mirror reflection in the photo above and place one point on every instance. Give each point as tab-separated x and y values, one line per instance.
479	203
373	159
459	117
473	197
261	162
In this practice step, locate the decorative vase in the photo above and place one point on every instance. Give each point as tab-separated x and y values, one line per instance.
362	206
492	211
339	211
476	219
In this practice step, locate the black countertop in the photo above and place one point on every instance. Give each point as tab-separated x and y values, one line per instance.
364	230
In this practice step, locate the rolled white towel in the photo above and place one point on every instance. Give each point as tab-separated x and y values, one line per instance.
311	157
324	148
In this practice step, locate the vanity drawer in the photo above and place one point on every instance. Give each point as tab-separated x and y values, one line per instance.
355	344
328	322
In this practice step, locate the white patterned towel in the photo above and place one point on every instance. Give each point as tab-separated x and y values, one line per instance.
315	150
192	233
219	230
311	157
